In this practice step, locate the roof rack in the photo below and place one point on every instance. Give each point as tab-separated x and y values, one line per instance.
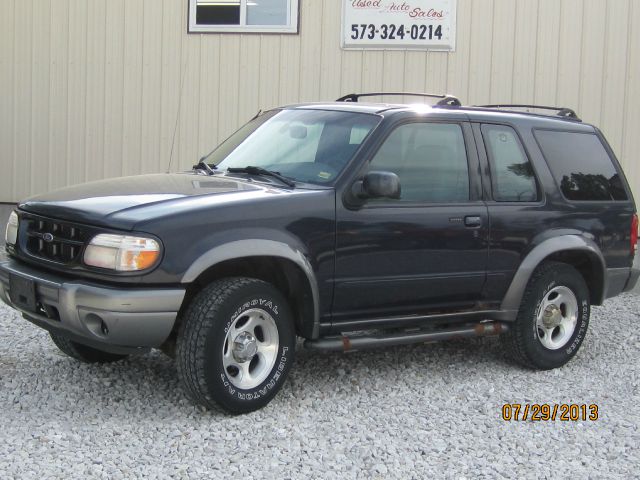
562	111
452	101
445	100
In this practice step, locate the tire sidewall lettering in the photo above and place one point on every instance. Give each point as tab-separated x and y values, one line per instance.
257	302
581	328
269	384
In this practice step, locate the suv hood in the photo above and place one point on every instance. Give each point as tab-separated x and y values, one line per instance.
121	202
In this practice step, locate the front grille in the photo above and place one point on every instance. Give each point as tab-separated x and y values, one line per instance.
53	240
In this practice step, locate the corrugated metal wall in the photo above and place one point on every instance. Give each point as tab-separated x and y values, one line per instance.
92	88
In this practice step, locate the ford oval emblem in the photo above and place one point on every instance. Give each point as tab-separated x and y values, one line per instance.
47	237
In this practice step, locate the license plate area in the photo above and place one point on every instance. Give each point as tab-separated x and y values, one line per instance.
23	292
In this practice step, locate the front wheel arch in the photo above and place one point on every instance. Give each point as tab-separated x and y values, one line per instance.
287	276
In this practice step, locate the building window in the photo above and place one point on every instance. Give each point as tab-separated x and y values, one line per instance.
243	16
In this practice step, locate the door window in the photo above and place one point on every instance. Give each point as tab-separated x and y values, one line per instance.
430	160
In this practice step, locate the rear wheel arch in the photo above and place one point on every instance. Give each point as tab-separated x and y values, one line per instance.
578	251
553	318
589	266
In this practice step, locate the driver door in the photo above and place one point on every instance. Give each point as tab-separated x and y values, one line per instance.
427	251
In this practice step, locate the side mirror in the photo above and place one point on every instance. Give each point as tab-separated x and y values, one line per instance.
378	185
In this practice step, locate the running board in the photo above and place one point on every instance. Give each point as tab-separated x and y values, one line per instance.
350	344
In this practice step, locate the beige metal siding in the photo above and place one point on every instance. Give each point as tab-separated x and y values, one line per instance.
98	88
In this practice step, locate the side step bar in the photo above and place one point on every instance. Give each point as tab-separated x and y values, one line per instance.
350	344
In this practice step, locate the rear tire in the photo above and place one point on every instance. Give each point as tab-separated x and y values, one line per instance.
82	352
236	345
553	318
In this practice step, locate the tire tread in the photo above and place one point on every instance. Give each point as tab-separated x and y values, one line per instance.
514	341
190	353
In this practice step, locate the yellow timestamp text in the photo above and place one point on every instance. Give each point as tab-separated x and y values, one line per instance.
545	412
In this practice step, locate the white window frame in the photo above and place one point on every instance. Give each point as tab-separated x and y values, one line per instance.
291	27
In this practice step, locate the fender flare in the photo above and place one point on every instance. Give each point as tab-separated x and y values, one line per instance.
513	297
258	248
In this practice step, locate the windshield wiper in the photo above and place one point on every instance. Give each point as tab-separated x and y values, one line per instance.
251	170
203	165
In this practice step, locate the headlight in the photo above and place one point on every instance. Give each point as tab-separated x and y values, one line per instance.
122	253
11	234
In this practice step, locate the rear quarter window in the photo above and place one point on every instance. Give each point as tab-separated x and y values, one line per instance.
581	166
512	176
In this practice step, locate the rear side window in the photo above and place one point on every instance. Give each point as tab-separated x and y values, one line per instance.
581	166
512	176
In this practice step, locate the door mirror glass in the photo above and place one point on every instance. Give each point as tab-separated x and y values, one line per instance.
378	185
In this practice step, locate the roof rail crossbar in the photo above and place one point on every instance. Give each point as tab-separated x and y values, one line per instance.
445	100
562	111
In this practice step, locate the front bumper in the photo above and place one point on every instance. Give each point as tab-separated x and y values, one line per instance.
115	319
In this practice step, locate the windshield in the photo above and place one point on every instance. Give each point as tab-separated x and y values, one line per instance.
311	146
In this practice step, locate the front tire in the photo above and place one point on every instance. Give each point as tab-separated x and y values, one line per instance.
82	352
553	318
236	345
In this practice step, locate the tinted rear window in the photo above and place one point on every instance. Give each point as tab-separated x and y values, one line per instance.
581	166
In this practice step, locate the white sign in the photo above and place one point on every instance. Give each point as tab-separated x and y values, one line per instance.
398	24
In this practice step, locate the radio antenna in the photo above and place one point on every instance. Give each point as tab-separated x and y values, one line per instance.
175	129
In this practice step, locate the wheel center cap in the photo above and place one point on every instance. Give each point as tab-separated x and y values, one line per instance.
245	347
552	316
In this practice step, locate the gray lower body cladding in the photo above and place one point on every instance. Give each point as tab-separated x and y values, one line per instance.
635	273
116	319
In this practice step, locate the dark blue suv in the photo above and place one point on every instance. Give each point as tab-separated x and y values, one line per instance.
351	225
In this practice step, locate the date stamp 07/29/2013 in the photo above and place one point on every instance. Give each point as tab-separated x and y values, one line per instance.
545	412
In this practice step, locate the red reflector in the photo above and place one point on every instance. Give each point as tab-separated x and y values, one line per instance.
634	233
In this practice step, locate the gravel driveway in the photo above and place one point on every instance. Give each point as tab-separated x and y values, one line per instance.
406	412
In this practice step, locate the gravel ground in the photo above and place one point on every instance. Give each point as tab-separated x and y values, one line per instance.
408	412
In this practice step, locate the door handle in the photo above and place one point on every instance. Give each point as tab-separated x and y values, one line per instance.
473	221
